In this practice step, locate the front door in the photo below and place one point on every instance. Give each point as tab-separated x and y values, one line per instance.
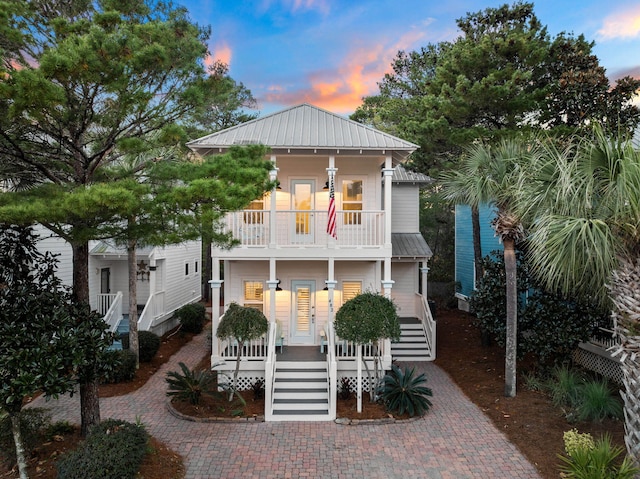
105	277
304	312
302	204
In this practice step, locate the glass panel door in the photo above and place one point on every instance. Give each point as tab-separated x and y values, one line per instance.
304	317
302	204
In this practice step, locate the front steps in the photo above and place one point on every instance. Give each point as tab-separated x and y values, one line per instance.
301	391
413	344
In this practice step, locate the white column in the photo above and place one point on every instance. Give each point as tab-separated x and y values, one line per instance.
331	173
216	284
424	270
388	177
273	176
273	284
387	282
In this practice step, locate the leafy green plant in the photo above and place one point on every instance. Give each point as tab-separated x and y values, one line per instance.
402	391
564	386
114	450
258	389
344	392
598	402
190	385
148	345
589	459
120	366
192	317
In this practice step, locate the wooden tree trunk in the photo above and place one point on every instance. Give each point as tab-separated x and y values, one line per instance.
624	288
17	439
133	300
510	266
89	402
485	336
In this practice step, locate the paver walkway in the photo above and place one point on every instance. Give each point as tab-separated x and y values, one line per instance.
453	441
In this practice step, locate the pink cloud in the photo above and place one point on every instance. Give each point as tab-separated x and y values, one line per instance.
341	89
221	53
621	24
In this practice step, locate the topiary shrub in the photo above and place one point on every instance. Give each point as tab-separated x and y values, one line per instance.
114	450
120	366
402	392
192	317
148	345
34	424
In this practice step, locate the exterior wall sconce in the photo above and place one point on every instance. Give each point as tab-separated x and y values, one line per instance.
278	288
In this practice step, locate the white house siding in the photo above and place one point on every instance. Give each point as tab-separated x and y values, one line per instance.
181	289
405	208
405	287
57	246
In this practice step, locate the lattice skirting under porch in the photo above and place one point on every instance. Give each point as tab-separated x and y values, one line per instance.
245	381
599	363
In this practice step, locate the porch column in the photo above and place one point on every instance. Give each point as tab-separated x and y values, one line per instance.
424	270
331	286
273	284
216	284
331	174
387	282
273	176
388	177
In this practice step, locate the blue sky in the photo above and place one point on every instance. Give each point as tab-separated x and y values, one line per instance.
331	53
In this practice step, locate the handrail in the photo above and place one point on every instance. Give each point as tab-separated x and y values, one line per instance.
113	316
270	371
332	370
145	319
429	326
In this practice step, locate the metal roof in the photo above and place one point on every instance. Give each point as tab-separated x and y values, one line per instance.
402	175
305	127
409	245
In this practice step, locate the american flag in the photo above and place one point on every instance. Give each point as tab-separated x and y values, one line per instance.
331	223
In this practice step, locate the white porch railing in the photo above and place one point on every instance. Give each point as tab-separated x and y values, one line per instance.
428	323
306	228
153	308
251	350
347	350
332	370
113	314
270	371
105	301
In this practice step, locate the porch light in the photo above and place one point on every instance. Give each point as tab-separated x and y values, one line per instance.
278	288
326	186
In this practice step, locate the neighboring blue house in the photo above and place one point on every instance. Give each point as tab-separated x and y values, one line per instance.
464	268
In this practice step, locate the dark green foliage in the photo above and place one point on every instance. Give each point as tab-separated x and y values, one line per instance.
403	392
242	324
34	426
148	345
344	391
598	402
122	366
190	385
367	318
192	317
114	450
258	389
599	461
549	326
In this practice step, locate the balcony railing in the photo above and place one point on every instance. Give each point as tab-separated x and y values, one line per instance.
306	228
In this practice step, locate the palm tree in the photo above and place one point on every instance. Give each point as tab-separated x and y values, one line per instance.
491	175
584	214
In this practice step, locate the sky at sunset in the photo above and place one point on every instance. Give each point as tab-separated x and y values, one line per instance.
331	53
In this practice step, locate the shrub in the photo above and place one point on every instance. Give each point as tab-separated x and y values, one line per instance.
258	389
148	345
192	317
190	385
114	450
121	367
34	423
598	402
345	389
565	386
589	459
402	392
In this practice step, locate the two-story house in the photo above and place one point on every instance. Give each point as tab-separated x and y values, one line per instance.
343	220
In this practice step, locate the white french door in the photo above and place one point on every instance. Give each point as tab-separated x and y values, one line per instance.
303	325
302	202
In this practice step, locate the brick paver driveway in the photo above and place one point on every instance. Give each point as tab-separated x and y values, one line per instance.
453	441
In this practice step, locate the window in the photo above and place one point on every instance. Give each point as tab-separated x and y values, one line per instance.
350	289
352	201
254	213
186	269
195	266
253	295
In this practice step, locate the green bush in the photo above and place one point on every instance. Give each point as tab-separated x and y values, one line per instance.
589	459
564	386
114	450
190	385
121	366
402	392
34	423
148	345
598	402
192	317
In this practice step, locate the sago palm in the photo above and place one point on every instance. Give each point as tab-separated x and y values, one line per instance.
584	209
491	175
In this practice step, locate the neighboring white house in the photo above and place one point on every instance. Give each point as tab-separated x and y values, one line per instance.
290	266
168	278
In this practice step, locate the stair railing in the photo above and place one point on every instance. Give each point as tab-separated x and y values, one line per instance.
428	325
270	372
113	316
332	370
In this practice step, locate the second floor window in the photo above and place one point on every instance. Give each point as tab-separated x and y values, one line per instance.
352	201
253	295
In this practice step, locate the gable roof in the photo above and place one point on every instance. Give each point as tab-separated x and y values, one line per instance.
305	128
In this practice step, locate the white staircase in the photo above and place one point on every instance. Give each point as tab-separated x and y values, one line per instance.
413	345
301	391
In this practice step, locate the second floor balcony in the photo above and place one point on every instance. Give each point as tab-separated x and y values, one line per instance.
307	228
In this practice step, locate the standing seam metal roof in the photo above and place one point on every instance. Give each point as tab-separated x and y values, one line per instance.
304	127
